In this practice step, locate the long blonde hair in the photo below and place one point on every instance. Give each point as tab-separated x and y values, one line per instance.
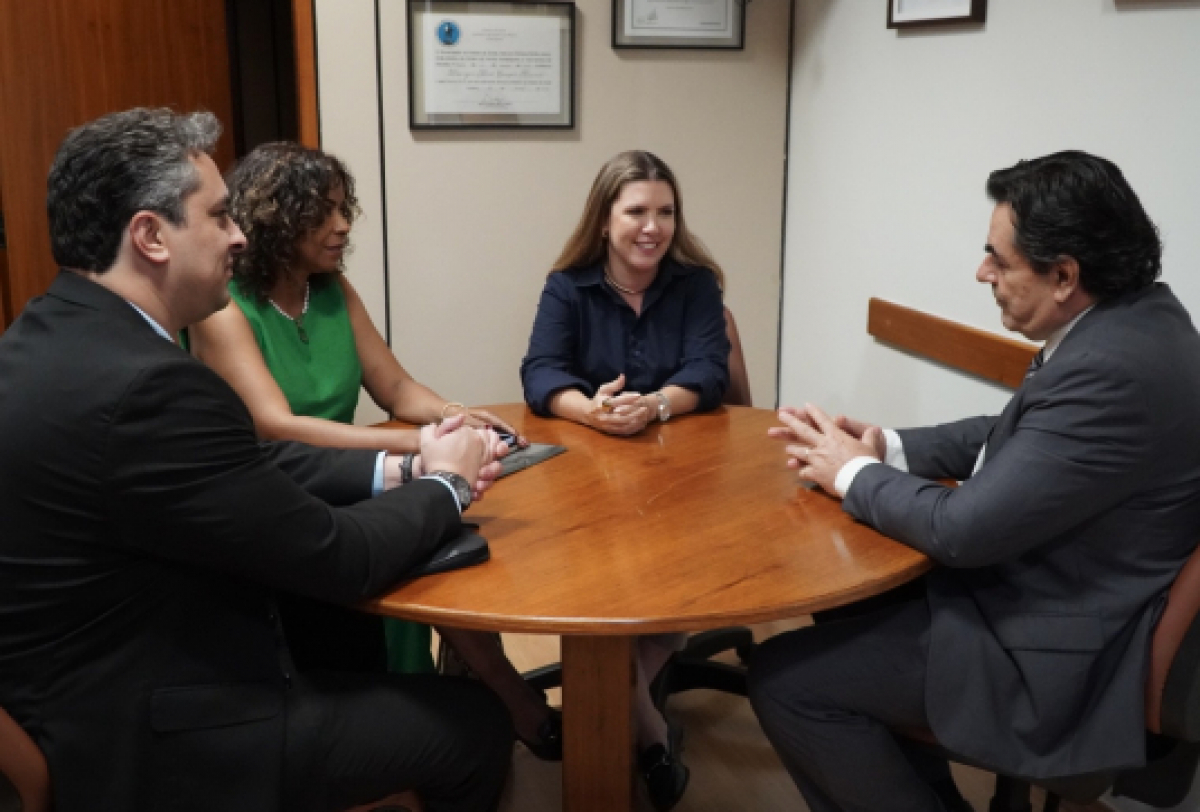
586	244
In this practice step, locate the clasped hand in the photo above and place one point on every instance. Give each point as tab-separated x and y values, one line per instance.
471	453
623	414
818	446
482	419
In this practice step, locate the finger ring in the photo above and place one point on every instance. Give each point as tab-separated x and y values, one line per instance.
804	453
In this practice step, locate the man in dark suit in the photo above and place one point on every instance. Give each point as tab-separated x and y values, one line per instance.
1078	506
145	529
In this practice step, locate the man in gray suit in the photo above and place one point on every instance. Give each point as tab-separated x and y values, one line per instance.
1078	507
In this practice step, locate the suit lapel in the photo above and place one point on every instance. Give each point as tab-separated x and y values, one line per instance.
1006	425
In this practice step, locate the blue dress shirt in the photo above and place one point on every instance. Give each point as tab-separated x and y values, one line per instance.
585	335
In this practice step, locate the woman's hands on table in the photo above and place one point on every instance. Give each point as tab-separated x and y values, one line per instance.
623	414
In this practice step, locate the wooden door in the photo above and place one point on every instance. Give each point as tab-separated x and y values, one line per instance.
3	264
64	62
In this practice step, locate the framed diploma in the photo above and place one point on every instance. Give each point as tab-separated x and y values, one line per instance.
490	64
709	24
910	13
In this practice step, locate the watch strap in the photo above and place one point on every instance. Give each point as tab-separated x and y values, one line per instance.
664	407
462	488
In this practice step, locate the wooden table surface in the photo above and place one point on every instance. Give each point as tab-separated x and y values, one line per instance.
693	524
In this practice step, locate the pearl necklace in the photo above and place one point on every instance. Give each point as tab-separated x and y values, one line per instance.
298	320
627	291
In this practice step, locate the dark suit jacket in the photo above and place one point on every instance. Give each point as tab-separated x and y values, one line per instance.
144	529
1057	555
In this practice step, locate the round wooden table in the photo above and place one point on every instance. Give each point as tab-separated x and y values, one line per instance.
693	524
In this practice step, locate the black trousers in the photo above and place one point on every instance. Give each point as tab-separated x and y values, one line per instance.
826	696
355	738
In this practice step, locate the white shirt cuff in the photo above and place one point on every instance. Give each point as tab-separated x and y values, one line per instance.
845	477
895	450
377	482
894	456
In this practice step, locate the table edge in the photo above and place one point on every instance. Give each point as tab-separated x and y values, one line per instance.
482	621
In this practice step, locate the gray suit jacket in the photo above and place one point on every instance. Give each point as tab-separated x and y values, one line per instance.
1057	554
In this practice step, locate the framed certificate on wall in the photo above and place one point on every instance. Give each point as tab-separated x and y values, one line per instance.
911	13
490	65
707	24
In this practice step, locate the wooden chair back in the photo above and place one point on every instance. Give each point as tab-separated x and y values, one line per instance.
24	765
738	393
406	801
1173	681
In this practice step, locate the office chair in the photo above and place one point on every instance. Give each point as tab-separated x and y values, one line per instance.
400	802
738	393
1172	720
24	777
692	667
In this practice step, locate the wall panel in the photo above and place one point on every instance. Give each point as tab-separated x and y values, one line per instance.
63	62
4	310
892	139
474	219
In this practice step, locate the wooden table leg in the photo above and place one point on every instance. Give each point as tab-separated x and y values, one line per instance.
598	679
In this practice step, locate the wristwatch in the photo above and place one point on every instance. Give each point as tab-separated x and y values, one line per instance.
406	468
664	407
462	488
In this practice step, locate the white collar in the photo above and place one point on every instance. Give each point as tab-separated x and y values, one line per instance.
1058	335
158	328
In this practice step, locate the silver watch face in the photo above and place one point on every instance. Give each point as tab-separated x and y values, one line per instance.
664	409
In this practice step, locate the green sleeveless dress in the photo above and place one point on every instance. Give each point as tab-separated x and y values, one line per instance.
322	378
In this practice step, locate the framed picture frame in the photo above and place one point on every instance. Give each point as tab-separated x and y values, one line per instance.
701	24
486	64
913	13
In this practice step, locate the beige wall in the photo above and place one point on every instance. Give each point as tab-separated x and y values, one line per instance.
893	135
474	219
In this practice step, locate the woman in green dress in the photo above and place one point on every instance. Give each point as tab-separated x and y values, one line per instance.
297	345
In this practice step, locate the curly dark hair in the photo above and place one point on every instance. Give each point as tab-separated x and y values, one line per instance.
278	194
1079	205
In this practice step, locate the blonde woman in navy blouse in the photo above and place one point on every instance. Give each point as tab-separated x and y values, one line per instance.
631	329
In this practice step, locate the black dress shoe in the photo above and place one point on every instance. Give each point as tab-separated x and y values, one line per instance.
666	776
548	746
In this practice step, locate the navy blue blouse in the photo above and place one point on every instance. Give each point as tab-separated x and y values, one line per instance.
585	335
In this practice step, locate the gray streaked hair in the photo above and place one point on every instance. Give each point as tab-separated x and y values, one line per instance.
109	169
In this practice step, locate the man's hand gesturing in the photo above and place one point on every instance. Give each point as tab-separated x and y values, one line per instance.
819	446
